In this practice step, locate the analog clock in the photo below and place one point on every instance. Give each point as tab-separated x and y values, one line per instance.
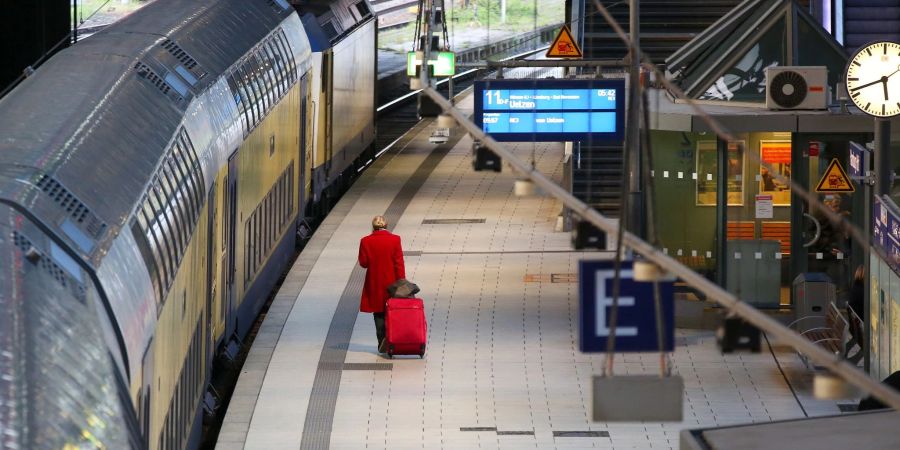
873	79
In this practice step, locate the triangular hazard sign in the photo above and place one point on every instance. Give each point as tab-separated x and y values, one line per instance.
835	179
564	45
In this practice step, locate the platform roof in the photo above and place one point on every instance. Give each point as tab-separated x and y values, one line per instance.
874	430
727	61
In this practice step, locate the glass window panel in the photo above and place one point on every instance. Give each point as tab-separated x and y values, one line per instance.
746	81
174	208
814	50
163	229
253	100
280	68
288	54
254	72
267	77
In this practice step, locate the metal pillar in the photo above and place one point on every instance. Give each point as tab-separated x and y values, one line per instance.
633	139
883	169
721	212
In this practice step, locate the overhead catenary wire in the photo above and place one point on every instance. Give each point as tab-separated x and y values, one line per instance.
732	304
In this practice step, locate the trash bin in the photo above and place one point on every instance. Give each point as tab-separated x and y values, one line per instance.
812	293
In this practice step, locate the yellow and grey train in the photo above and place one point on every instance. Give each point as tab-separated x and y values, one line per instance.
153	179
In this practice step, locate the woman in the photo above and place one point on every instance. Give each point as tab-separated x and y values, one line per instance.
381	255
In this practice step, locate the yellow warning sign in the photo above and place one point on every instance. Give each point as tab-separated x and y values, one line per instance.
835	179
564	45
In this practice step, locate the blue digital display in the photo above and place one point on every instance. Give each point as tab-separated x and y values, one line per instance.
550	110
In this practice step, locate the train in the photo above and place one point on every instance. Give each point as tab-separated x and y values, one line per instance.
155	179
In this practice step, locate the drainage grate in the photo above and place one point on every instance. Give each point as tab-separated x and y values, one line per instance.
563	277
451	221
580	434
368	366
848	407
550	278
535	278
477	428
515	433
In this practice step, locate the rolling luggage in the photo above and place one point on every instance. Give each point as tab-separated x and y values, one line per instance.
405	325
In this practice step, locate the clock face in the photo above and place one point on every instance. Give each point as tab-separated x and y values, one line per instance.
873	79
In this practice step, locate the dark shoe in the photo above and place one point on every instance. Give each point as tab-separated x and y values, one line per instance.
382	347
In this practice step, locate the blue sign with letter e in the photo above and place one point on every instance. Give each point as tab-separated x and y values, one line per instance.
636	325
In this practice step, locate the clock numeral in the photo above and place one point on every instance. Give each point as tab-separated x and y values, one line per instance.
857	63
855	94
852	79
885	48
867	106
869	51
882	109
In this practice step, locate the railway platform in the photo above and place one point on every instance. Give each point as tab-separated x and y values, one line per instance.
502	368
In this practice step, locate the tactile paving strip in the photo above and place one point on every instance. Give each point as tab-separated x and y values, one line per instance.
323	398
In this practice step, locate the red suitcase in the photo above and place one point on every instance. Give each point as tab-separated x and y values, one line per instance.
406	328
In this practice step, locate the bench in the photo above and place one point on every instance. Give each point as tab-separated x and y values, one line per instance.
740	230
778	231
834	336
857	337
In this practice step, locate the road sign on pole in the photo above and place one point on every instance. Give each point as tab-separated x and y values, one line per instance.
834	179
564	46
636	326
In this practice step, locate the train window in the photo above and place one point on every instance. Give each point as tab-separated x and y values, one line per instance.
277	67
363	10
144	247
145	215
164	231
184	191
251	66
277	61
183	188
251	98
171	205
239	99
288	54
330	30
194	170
266	78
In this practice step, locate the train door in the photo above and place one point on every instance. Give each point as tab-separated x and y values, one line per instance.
211	268
327	85
230	217
305	150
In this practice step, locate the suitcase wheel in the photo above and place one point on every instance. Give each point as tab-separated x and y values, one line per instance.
422	352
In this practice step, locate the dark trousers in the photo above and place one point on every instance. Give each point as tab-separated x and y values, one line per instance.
379	326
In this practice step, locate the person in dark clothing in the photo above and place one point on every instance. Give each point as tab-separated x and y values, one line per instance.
828	254
768	181
870	403
856	303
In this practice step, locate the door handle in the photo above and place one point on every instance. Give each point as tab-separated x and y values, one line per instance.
818	230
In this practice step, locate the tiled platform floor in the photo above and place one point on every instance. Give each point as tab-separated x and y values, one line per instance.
502	368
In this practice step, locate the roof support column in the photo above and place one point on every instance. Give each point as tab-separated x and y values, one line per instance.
634	218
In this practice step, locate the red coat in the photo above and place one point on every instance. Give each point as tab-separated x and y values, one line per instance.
381	254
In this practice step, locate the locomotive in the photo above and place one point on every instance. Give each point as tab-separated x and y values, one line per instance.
153	181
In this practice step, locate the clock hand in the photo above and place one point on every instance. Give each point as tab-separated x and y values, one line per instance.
884	84
867	85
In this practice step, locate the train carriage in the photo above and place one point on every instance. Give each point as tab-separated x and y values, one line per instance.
152	179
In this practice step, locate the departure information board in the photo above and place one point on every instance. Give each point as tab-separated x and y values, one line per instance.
550	110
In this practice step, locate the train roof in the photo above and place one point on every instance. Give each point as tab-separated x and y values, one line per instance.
93	119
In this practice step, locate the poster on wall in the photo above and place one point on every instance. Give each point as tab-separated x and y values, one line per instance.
707	162
778	155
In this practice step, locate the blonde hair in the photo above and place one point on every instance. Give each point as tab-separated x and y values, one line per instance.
379	222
